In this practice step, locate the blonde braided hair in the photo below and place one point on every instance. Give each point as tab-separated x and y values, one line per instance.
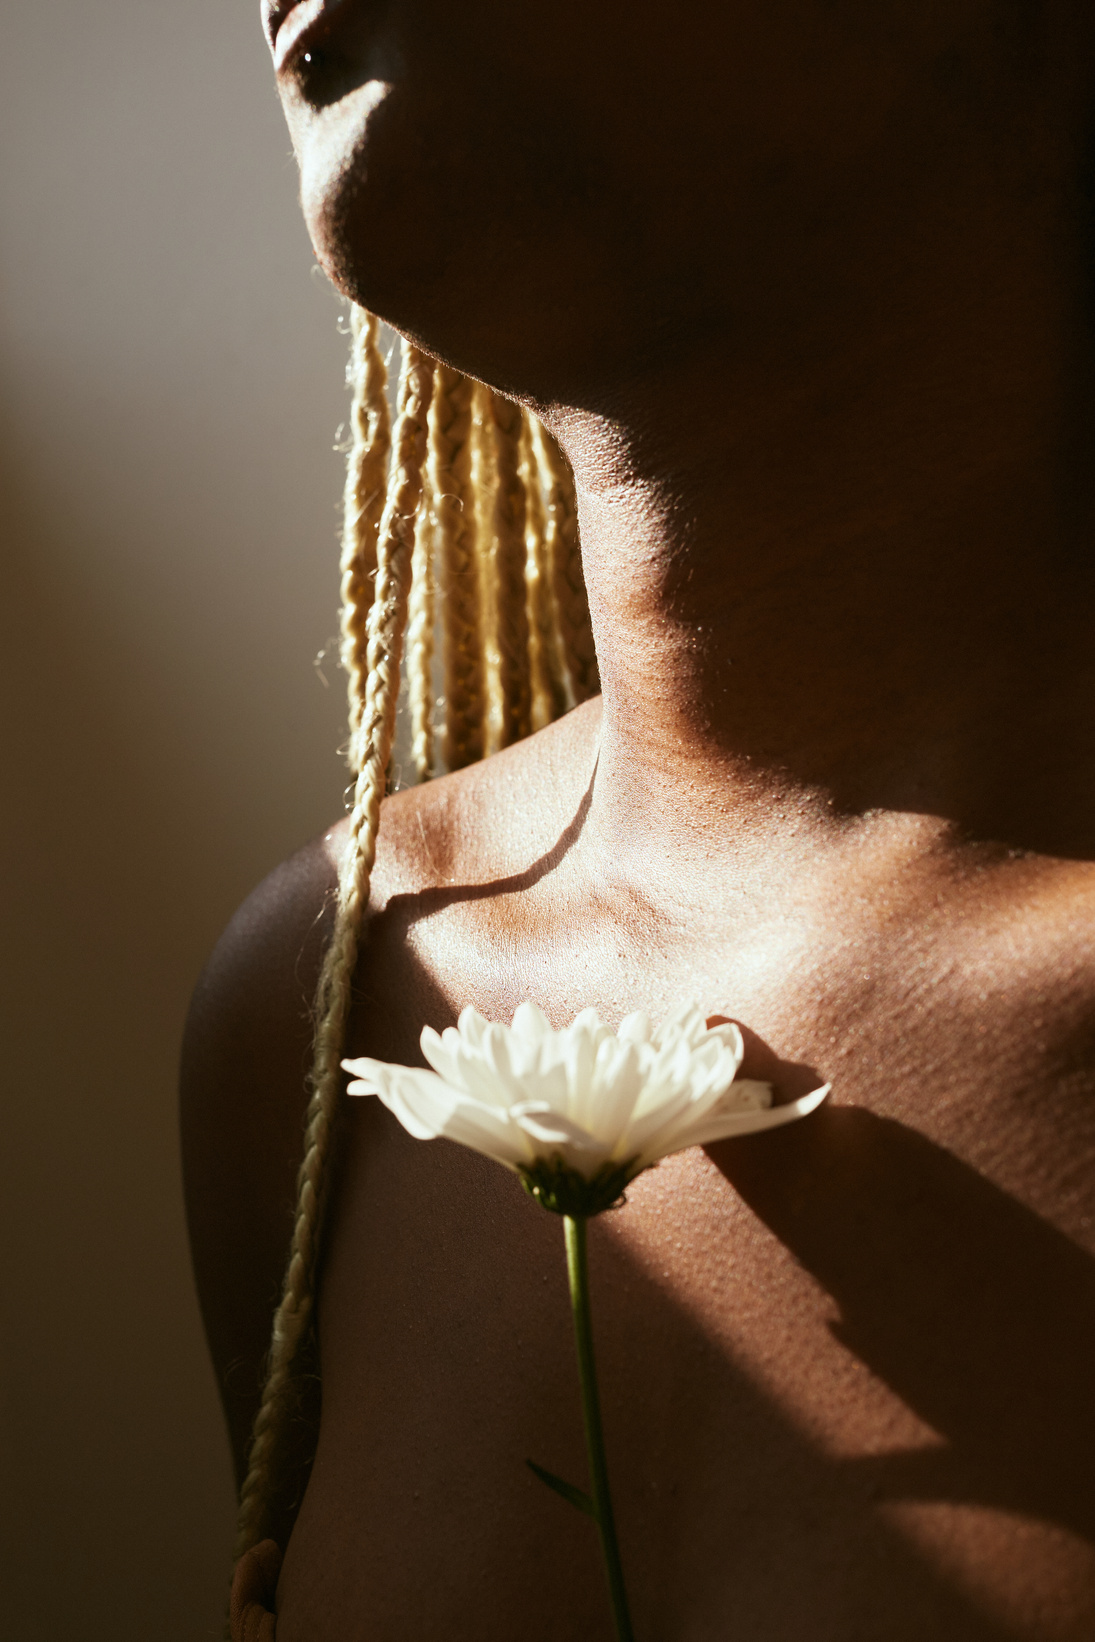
487	458
363	503
565	554
460	577
484	483
420	621
509	556
388	615
549	696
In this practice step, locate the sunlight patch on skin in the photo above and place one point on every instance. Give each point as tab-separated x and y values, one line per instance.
1033	1578
763	1313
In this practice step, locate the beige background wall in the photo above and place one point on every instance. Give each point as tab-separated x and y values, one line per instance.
170	387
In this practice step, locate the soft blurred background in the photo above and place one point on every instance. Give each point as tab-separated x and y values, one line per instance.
171	383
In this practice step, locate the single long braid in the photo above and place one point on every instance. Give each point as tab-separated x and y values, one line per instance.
458	559
549	696
420	627
293	1319
363	503
566	558
484	480
509	572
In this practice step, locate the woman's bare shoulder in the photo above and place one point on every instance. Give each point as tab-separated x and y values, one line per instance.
487	822
247	1044
242	1098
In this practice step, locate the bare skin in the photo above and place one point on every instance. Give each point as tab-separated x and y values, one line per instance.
841	787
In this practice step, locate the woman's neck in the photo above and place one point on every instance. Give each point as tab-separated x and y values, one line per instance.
846	564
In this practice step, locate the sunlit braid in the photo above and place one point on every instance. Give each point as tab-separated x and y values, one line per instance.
566	558
366	481
420	624
458	565
549	697
484	484
386	627
509	571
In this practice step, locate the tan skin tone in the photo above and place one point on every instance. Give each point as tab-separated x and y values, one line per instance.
804	289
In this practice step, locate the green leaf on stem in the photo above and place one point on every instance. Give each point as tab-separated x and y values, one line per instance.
573	1496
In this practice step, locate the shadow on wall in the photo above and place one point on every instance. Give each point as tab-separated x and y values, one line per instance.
171	386
115	1478
135	815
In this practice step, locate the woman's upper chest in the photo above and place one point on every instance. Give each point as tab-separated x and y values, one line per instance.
840	1346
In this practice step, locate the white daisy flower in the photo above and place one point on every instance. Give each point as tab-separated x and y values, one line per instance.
578	1113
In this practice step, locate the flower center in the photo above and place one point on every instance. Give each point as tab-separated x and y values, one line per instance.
557	1186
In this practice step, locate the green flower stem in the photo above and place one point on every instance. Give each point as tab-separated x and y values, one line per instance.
578	1273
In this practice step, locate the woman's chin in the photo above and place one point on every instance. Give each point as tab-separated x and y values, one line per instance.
355	210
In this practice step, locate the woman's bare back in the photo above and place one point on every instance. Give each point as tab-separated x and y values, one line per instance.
847	1368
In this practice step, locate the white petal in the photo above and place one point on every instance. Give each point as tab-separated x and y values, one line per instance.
694	1027
635	1028
581	1039
502	1060
531	1023
712	1079
581	1054
420	1100
683	1023
449	1054
707	1112
487	1130
480	1074
550	1129
361	1068
472	1025
617	1086
723	1125
730	1037
655	1131
443	1055
547	1084
644	1133
551	1135
746	1095
680	1080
